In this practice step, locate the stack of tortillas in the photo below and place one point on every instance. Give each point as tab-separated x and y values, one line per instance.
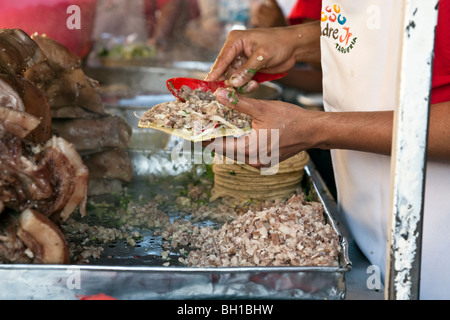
246	182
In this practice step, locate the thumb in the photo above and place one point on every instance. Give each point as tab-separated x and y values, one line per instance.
230	98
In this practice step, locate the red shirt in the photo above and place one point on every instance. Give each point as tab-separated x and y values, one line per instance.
440	88
305	9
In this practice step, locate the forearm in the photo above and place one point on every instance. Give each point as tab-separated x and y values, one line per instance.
168	15
372	131
297	43
439	132
360	131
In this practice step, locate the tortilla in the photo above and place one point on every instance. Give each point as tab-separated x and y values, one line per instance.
188	134
246	182
200	117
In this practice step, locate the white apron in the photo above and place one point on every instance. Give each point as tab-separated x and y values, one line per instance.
360	57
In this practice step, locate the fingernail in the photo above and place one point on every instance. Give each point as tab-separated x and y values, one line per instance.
226	94
234	81
221	93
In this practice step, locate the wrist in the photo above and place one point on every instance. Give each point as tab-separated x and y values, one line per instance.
306	42
318	131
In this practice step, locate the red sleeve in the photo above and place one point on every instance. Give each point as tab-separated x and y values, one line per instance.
162	3
440	88
305	9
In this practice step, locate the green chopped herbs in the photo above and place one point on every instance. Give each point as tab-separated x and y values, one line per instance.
232	94
128	51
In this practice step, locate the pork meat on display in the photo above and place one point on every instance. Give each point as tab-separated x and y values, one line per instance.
79	114
43	178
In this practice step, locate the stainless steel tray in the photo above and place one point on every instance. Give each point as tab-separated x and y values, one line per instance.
118	273
126	277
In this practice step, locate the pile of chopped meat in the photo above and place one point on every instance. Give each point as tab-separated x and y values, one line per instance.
293	233
201	114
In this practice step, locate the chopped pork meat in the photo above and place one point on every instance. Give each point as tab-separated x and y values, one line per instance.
293	233
201	113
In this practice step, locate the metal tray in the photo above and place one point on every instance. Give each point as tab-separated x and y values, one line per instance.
118	273
126	277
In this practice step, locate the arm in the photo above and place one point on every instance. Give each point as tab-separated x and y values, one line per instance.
267	15
372	131
300	129
166	23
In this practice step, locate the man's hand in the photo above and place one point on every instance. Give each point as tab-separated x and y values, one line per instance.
279	130
270	50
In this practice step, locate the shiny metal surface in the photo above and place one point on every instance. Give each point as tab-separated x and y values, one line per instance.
152	80
136	283
125	277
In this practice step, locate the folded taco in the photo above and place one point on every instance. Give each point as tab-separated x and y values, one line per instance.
200	118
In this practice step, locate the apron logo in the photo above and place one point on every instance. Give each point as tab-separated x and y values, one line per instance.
337	29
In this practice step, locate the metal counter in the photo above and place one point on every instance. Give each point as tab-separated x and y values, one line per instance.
127	278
